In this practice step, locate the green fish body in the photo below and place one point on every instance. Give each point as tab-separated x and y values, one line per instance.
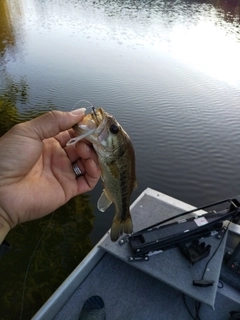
117	162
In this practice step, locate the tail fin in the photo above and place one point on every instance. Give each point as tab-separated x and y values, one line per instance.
120	226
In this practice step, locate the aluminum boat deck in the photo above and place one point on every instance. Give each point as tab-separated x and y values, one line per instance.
149	290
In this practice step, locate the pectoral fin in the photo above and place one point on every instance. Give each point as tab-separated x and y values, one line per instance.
103	202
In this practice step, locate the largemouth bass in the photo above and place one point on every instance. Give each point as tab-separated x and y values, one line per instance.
117	162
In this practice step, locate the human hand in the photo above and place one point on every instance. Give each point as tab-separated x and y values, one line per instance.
36	175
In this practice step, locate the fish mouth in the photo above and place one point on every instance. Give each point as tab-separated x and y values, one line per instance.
93	121
93	124
97	115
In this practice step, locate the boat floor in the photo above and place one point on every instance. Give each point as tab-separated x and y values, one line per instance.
131	294
146	290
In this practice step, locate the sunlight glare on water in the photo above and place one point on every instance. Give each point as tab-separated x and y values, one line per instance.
172	64
205	46
194	34
169	71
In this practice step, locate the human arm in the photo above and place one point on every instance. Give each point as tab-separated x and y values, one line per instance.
36	175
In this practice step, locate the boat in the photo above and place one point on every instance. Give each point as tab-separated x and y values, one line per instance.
160	288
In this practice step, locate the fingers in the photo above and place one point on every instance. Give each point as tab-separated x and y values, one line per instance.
81	150
64	137
52	123
87	160
90	178
85	151
88	165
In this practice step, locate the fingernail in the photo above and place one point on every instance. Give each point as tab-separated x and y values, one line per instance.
78	112
86	147
94	164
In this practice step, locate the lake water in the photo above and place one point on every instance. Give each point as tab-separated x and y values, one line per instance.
169	71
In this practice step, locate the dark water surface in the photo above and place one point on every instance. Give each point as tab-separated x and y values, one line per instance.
169	71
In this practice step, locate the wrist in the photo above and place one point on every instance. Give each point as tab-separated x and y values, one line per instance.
4	229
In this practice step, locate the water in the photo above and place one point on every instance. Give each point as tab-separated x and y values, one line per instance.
169	71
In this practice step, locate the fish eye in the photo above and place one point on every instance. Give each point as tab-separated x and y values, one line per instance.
114	129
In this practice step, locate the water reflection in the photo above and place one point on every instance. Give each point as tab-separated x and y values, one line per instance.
6	34
231	9
156	66
43	254
199	34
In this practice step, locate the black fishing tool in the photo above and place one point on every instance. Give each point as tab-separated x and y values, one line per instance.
94	111
159	237
195	251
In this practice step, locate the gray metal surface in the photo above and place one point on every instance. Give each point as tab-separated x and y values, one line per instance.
170	266
131	294
134	294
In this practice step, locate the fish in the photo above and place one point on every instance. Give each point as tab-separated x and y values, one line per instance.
116	159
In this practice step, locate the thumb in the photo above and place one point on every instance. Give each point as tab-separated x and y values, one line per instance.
53	122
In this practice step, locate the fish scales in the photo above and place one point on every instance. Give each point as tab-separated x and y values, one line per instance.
117	162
